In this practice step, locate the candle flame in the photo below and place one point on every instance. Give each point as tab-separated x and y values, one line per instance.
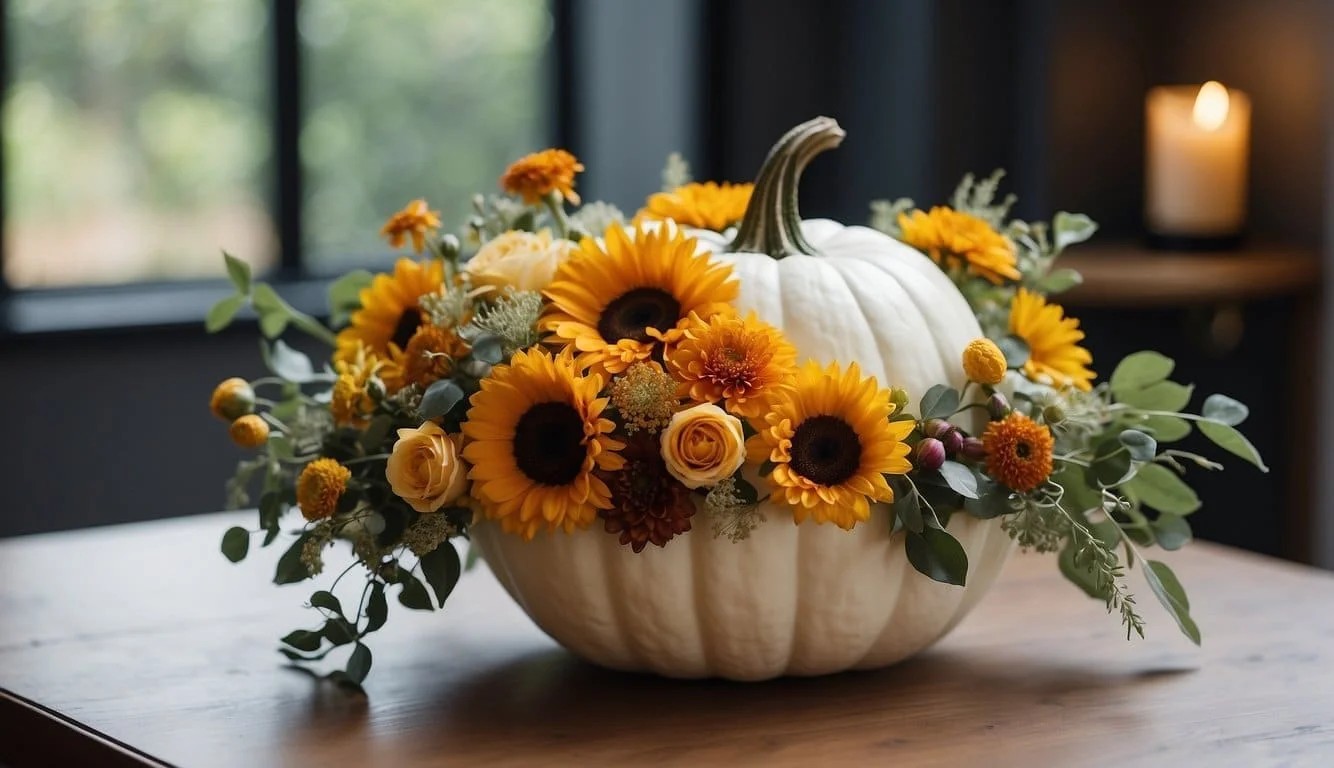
1211	106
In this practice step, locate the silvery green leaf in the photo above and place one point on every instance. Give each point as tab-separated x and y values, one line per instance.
1139	370
238	272
1172	595
939	402
1229	439
937	555
439	399
1161	488
489	348
1059	281
1015	349
287	363
1071	228
1224	409
1160	396
221	314
960	478
1171	531
1142	447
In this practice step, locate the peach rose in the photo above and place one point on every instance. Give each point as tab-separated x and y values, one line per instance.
703	445
426	468
524	261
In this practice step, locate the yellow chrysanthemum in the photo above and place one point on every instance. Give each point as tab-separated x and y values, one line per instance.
535	437
732	359
431	355
249	431
415	221
614	301
319	487
707	205
389	316
232	399
1018	452
958	240
1053	340
832	443
350	402
984	362
535	176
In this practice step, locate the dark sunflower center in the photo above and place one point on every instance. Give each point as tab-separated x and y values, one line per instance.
629	315
826	449
408	323
548	443
1023	450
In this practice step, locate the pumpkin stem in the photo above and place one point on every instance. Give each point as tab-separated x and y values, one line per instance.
772	223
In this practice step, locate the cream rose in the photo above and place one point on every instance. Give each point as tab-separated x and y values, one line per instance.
426	468
524	261
703	445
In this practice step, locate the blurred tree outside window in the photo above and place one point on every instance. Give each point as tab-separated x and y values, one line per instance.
139	134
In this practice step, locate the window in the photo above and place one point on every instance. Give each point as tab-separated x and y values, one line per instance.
140	137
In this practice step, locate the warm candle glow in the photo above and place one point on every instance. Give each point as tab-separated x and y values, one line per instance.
1211	106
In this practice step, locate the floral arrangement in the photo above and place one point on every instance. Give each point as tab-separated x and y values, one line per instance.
557	367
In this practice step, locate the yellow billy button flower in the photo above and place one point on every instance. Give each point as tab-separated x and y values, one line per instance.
535	176
702	446
232	399
319	487
414	222
984	362
426	467
249	431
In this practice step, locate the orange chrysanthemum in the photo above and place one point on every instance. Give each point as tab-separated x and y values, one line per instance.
1054	354
1018	452
734	360
616	300
832	443
415	221
320	486
707	205
535	176
958	241
431	355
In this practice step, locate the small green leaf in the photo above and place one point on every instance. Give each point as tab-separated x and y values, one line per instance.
1161	488
345	294
489	348
290	568
960	479
238	272
1081	574
1171	531
1140	370
339	631
1109	469
937	555
1170	593
359	664
287	363
439	399
1162	396
235	543
1071	228
1015	349
377	609
222	313
414	594
376	432
908	508
326	600
766	468
1229	439
473	558
1059	281
1224	409
1166	429
271	508
939	402
1080	495
441	567
993	500
1142	447
303	640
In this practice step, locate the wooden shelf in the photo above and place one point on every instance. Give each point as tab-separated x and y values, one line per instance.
1130	275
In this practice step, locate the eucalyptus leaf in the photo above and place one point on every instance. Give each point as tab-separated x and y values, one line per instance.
1015	349
1139	370
1109	470
1071	228
1059	281
377	609
376	432
960	479
288	363
326	600
238	272
439	399
993	500
345	294
1170	593
273	324
1229	439
338	631
235	544
442	568
1080	495
937	555
290	568
1161	488
489	348
939	402
221	314
359	663
1171	531
1141	446
1162	396
414	594
1165	429
1224	409
908	509
303	640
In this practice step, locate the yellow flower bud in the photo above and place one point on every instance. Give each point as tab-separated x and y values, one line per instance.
249	431
232	399
983	361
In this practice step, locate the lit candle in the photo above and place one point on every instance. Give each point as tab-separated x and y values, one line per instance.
1197	143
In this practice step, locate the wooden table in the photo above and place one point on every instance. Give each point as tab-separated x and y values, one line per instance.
140	643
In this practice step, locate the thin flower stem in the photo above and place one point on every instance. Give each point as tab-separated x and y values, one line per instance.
334	586
558	217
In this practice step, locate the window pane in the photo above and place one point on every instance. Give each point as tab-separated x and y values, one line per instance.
413	98
136	139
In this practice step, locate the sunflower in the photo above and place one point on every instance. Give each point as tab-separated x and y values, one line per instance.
733	359
1053	342
614	301
535	438
1018	452
957	240
389	316
535	176
414	222
707	205
832	444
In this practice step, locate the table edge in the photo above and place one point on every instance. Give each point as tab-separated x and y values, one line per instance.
51	738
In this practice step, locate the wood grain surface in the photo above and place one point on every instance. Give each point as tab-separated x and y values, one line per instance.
146	637
1126	276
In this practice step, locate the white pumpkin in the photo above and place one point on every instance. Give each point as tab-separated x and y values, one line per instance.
804	599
